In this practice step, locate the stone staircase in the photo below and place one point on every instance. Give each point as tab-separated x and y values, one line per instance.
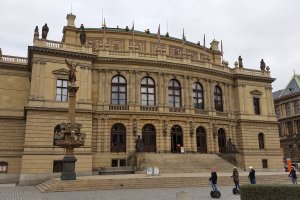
138	181
184	163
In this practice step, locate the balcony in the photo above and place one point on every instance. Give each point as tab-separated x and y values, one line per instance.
118	107
149	108
174	109
201	111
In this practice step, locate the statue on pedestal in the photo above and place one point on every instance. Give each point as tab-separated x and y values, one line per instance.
82	35
231	148
45	31
262	65
36	32
139	144
72	71
240	61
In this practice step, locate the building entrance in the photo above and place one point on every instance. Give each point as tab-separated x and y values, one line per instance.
176	139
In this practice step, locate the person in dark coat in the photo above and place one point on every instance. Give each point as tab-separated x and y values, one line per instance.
293	175
236	179
251	175
214	179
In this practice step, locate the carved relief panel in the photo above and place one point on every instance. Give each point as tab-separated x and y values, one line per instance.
95	44
116	44
154	48
141	44
175	51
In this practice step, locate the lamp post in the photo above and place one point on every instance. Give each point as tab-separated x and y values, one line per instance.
70	136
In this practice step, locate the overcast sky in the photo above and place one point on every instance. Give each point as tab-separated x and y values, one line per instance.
254	29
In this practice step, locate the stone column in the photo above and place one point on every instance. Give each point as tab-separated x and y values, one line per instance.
160	92
89	84
106	135
166	92
34	81
107	89
185	93
100	88
42	80
131	91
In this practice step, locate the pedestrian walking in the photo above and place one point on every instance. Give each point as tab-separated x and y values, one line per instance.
236	179
293	175
251	175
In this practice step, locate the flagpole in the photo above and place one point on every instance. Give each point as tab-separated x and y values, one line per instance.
133	44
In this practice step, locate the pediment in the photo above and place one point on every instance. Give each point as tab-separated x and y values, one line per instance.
256	92
61	71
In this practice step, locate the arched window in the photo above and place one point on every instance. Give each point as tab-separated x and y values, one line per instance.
201	140
218	99
58	128
261	141
118	138
174	94
198	96
147	92
149	138
118	90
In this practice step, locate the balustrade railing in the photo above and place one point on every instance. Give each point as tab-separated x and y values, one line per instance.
118	107
201	111
174	109
13	59
149	108
53	44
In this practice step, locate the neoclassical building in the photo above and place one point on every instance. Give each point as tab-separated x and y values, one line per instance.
287	109
171	92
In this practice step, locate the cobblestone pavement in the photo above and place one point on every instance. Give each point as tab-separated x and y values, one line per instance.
32	193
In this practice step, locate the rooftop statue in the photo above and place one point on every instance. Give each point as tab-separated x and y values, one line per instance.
262	65
72	71
45	31
240	61
36	32
82	35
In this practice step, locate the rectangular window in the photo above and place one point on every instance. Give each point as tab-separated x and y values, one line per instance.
114	163
264	163
3	167
61	90
57	166
256	105
122	162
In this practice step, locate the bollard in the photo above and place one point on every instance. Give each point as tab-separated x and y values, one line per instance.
182	195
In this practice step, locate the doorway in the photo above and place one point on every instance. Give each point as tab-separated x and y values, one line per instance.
176	139
222	140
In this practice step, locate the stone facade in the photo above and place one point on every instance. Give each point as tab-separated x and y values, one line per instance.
287	107
116	102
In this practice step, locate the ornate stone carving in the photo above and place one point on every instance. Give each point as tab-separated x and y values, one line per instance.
140	44
156	48
193	54
175	51
116	45
95	44
256	92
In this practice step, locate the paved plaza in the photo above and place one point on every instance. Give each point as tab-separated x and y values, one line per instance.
32	193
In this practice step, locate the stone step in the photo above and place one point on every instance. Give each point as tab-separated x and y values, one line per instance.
141	181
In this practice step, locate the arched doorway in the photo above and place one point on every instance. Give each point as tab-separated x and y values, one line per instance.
118	138
176	139
149	138
222	140
201	140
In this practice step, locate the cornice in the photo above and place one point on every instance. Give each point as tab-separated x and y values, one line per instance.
55	109
185	67
169	65
14	66
58	53
12	117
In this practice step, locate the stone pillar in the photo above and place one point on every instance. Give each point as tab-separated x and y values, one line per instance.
107	89
106	136
131	91
185	93
166	93
71	20
100	88
89	84
72	89
42	80
160	91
